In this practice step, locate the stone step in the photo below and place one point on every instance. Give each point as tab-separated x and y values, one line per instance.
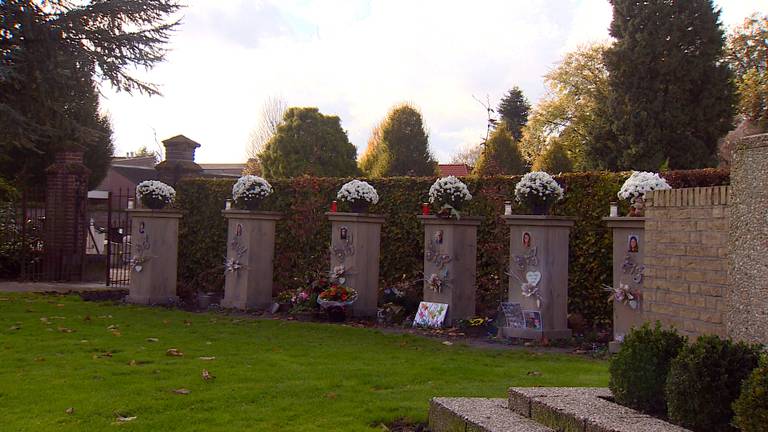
582	409
478	415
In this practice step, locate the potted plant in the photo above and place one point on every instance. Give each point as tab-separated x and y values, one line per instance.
538	191
635	188
449	194
359	194
250	190
154	194
335	300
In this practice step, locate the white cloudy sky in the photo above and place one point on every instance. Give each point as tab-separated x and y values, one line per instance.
355	59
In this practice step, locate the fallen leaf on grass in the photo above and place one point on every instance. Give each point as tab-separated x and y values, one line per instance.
15	327
330	395
4	299
104	354
534	373
116	333
449	343
153	340
59	305
166	322
122	419
39	359
206	375
173	352
132	363
207	358
182	391
189	323
70	410
87	318
66	330
113	327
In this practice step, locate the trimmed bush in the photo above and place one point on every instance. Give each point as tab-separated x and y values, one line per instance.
751	408
303	233
639	370
705	380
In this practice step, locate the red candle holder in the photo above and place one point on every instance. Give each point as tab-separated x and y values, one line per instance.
334	206
425	209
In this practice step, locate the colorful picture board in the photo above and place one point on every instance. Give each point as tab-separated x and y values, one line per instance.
533	320
430	315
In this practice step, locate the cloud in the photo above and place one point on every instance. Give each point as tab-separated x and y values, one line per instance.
352	59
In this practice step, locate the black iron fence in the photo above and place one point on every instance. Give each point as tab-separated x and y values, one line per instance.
117	245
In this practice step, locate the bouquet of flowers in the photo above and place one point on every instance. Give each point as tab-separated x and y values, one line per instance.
358	194
154	194
641	182
337	295
538	191
250	190
450	194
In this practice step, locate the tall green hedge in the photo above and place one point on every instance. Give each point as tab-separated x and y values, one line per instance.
303	233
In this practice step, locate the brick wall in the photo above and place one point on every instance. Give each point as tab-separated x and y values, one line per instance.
686	259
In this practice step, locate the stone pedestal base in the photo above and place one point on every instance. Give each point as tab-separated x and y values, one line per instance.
250	256
538	248
625	228
614	346
355	244
450	254
154	249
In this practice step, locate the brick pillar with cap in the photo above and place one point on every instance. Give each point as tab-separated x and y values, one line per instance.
66	199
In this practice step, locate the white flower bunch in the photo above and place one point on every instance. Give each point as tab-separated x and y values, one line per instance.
155	189
538	185
449	190
250	187
357	190
641	182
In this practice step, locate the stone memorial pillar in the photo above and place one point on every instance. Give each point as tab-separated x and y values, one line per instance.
250	256
355	244
154	254
628	249
450	264
538	277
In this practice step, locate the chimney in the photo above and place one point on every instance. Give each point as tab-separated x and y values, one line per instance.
179	160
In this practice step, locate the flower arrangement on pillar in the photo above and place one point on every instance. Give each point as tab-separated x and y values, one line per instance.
538	191
449	194
250	190
635	188
154	194
359	195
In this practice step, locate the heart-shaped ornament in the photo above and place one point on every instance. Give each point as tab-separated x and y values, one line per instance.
533	277
138	268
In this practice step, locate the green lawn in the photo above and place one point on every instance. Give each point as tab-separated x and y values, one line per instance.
98	358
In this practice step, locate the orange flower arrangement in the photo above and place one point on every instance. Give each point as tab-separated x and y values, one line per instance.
338	293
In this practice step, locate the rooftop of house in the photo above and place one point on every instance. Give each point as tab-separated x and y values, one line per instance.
458	170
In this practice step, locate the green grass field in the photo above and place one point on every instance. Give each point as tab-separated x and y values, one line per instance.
105	360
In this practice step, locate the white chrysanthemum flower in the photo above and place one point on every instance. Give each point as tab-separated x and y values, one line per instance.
357	190
250	187
155	189
640	183
538	183
449	189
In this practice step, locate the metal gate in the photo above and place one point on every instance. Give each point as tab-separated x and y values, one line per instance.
30	229
118	239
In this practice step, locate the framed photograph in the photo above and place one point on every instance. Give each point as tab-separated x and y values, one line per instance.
439	237
431	315
239	230
527	240
533	320
513	315
343	233
633	243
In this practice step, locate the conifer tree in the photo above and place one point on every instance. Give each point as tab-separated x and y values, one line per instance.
513	110
308	142
554	160
399	146
671	95
500	155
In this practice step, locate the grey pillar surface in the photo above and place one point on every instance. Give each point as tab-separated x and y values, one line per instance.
627	269
154	251
250	258
545	258
450	251
746	314
355	244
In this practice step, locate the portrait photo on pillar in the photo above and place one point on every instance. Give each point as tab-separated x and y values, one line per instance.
343	233
633	244
439	237
527	240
